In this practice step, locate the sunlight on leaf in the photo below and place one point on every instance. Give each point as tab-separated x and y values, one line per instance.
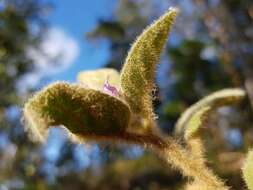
196	121
248	170
138	73
96	79
213	101
81	110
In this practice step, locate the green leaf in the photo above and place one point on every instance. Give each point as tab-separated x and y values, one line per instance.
248	170
196	121
191	120
138	72
82	111
96	79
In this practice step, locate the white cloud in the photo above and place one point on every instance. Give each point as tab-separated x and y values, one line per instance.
56	53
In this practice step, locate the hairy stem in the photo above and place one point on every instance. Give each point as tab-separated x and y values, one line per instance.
176	155
189	165
196	147
197	185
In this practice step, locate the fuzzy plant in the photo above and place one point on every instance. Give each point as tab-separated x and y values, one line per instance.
117	107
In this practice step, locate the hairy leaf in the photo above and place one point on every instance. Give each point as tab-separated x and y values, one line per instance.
208	103
82	111
196	121
137	75
248	170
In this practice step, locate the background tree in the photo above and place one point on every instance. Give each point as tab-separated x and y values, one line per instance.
18	19
209	49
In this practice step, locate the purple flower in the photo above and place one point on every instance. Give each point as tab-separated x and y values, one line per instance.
111	90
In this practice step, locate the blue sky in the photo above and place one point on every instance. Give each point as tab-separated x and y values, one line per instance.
68	24
75	19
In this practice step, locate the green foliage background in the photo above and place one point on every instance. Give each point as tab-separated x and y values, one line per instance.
213	51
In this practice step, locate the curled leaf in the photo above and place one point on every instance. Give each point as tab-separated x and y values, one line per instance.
96	79
82	111
195	113
248	170
196	121
138	72
192	135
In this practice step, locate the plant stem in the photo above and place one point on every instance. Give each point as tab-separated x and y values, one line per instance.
190	165
173	153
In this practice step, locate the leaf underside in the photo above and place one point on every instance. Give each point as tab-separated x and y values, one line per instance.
81	110
196	121
191	120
